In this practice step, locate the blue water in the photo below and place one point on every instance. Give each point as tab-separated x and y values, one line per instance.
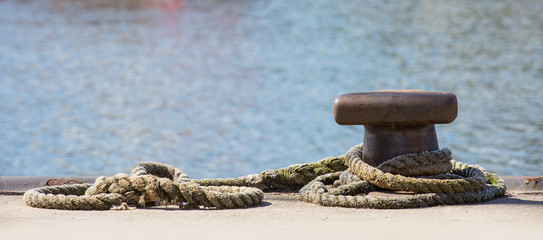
226	88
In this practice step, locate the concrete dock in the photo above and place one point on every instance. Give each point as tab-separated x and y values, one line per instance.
518	215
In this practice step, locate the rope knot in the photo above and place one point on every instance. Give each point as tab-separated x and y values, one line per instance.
143	188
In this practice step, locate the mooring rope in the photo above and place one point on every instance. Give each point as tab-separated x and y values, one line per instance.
463	184
148	184
438	178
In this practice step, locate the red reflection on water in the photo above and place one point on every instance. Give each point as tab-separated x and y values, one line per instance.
166	5
134	5
172	5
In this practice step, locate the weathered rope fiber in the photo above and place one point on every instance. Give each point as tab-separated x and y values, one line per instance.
463	184
440	179
149	183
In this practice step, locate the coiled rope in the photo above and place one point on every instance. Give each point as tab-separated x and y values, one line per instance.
462	184
436	178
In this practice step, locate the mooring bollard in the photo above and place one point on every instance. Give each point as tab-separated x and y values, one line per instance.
396	122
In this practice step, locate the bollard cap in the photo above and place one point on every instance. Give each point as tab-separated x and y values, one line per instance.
395	107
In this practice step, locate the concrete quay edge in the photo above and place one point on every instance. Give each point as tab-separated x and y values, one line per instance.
20	184
518	215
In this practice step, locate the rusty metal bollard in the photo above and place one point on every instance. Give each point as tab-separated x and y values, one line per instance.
396	122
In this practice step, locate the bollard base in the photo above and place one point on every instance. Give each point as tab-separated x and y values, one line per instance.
383	142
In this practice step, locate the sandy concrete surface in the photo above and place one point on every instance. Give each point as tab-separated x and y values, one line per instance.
519	215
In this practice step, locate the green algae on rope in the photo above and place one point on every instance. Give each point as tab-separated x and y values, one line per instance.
289	178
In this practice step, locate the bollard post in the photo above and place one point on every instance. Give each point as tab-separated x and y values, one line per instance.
396	122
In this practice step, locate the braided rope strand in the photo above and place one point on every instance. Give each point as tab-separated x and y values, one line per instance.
71	197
